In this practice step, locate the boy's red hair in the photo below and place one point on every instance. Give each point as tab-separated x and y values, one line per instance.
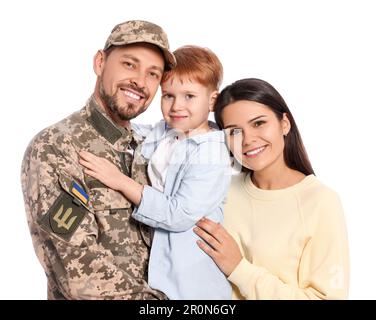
198	64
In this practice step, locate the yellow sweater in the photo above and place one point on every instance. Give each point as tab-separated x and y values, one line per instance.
293	241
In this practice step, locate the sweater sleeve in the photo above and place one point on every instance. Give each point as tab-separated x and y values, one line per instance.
323	271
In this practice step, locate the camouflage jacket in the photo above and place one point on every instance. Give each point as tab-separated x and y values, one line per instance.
83	233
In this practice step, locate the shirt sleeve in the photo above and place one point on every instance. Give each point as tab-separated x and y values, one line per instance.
78	263
323	271
202	190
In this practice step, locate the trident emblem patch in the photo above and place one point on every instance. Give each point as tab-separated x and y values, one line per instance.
64	216
62	221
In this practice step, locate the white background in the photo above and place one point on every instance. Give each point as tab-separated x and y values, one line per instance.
320	55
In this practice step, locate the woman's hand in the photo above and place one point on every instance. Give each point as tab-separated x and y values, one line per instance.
101	169
219	245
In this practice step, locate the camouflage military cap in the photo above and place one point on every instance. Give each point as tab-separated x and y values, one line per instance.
134	31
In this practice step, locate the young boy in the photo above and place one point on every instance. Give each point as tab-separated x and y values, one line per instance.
189	169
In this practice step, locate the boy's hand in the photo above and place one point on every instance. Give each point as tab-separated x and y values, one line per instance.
101	169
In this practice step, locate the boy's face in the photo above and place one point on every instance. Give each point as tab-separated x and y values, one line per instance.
186	104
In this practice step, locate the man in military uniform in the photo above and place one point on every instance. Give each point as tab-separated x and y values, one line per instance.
82	231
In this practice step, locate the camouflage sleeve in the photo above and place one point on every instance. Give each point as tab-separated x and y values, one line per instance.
65	230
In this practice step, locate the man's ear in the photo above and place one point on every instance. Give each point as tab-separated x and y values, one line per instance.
212	100
98	62
286	125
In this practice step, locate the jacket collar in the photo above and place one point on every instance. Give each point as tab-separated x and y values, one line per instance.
116	135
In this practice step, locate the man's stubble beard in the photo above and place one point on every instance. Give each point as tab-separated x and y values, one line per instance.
126	112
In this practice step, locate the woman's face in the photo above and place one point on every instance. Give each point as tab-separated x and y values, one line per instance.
255	134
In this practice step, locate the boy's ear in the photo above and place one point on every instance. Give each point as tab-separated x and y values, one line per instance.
212	100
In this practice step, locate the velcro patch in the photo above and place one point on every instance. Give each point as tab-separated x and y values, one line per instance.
79	193
64	216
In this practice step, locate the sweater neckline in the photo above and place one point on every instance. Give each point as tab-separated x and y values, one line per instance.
275	194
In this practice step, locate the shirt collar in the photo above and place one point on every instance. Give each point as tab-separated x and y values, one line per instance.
161	130
214	135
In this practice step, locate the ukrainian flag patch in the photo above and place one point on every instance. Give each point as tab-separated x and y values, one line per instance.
79	193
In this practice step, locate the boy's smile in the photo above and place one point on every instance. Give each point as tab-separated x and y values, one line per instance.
186	104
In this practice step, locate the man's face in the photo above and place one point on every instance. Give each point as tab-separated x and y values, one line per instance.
129	77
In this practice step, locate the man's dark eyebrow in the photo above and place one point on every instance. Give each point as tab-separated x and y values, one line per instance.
249	121
136	60
130	57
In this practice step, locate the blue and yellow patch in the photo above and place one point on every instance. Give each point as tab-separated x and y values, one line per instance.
79	193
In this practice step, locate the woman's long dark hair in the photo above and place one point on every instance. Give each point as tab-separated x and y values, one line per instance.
262	92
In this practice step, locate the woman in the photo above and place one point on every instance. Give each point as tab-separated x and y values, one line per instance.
286	236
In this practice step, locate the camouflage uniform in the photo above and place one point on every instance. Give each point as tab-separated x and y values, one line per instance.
82	231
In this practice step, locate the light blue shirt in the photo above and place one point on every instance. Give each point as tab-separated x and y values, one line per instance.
196	185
